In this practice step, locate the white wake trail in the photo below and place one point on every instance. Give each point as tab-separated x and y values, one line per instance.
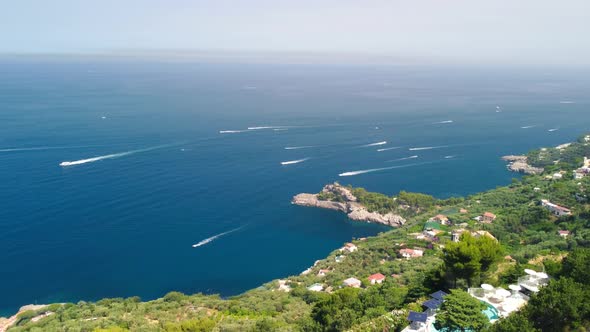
387	149
400	159
231	131
553	129
108	156
299	147
214	237
443	122
375	144
364	171
291	162
43	148
528	127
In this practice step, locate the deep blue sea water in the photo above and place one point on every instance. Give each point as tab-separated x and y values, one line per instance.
125	226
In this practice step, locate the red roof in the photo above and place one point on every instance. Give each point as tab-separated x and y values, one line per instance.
564	232
440	217
489	214
377	276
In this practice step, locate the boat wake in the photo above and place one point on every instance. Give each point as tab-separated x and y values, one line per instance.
400	159
215	237
291	162
375	144
528	127
567	102
449	157
267	127
364	171
299	147
442	122
108	156
231	131
387	149
43	148
427	148
553	129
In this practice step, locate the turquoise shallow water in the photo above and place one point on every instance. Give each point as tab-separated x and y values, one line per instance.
165	178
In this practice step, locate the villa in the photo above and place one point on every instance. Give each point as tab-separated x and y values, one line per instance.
557	176
323	272
352	282
440	218
563	234
411	253
316	288
556	209
350	247
376	278
488	217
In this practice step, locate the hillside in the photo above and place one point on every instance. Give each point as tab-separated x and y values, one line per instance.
533	223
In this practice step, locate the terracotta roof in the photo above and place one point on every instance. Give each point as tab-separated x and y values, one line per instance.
489	214
376	276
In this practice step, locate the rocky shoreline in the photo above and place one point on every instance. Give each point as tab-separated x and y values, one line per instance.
348	204
519	164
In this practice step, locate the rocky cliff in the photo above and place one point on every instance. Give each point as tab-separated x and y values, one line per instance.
348	204
519	164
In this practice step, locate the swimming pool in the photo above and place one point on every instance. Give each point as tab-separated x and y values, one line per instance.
490	311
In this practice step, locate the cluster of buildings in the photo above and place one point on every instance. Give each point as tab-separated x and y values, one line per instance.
582	171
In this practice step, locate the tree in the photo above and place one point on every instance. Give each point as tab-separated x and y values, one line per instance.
462	259
461	312
516	322
560	305
577	265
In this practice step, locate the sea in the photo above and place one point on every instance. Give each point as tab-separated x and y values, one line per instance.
133	177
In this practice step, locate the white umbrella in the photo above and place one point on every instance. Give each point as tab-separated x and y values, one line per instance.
502	292
515	288
487	287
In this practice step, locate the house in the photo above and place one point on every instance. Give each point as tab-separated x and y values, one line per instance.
484	233
456	234
352	282
323	272
350	247
339	258
283	286
557	176
488	217
417	320
536	189
463	211
579	174
376	278
440	218
316	288
556	209
563	234
411	253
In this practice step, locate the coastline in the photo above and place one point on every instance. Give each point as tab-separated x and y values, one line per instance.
347	203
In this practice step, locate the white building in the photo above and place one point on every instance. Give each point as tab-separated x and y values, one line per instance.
352	282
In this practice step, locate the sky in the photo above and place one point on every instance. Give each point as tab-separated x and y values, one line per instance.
502	31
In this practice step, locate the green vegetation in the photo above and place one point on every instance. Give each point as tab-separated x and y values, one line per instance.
461	312
527	237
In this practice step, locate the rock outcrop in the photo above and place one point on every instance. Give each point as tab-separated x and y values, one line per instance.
349	205
519	164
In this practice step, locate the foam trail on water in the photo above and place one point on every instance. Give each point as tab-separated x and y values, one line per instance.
108	156
553	129
231	131
446	121
291	162
387	149
299	147
43	148
280	129
214	237
428	148
400	159
567	102
449	157
364	171
527	127
267	127
376	144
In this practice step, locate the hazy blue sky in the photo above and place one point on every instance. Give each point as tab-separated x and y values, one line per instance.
537	31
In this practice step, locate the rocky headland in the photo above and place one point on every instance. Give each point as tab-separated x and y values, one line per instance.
343	200
519	164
